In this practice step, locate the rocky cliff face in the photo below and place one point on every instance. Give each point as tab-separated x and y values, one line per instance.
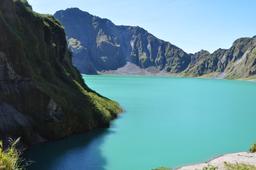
100	45
235	62
42	96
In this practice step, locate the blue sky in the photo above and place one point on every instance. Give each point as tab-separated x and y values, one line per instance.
190	24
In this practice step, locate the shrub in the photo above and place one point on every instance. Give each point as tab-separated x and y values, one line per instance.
239	167
253	148
210	167
9	158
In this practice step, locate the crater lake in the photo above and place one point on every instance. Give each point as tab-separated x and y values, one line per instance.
167	122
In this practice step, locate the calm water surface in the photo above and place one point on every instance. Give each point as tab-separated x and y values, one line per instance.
168	122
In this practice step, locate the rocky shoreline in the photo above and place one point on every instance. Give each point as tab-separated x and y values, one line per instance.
245	158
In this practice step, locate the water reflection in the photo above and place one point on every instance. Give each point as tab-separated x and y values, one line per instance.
76	152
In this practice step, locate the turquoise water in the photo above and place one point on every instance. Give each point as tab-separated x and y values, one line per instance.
167	122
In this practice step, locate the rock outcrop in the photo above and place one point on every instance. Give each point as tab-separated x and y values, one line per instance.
42	96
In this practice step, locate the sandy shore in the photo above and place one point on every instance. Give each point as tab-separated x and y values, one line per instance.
219	162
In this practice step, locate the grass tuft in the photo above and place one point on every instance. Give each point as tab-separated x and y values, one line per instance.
237	166
10	158
210	167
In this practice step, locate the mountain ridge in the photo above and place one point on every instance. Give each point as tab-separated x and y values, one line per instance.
106	47
112	37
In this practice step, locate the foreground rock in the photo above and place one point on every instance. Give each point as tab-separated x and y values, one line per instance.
42	96
235	158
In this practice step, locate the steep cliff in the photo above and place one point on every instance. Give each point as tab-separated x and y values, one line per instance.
42	96
100	45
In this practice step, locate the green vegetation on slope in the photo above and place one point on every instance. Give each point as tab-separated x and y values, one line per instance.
42	88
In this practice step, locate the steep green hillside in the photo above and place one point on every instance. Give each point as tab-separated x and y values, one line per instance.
43	97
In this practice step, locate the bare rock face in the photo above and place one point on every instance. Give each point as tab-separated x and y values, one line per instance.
55	111
42	96
105	47
235	62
